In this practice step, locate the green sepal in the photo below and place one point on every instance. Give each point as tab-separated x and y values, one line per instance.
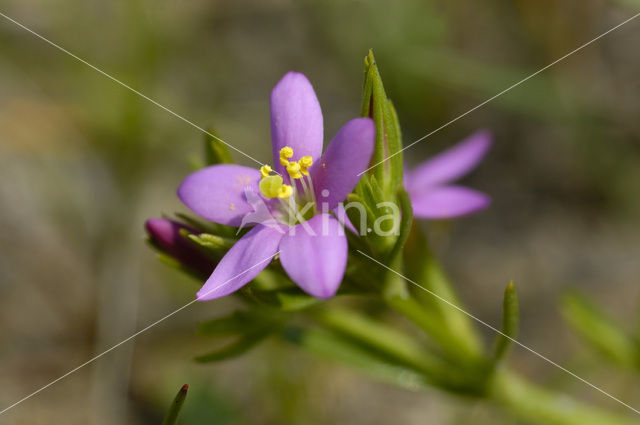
599	331
510	321
286	299
207	226
215	151
406	223
208	241
172	262
176	406
377	106
355	215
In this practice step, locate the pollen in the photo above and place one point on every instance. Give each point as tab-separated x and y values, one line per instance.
293	168
285	191
285	154
232	206
265	170
305	162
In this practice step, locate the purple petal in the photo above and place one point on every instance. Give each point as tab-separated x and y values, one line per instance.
244	261
451	164
217	192
447	202
315	256
296	118
165	234
341	214
347	155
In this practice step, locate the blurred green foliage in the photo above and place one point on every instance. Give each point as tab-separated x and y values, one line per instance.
83	161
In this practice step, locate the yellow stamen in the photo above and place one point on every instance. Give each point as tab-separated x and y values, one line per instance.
265	170
305	162
285	191
271	186
294	170
286	152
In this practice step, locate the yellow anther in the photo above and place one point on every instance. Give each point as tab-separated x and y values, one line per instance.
270	186
294	170
286	152
305	162
265	170
285	191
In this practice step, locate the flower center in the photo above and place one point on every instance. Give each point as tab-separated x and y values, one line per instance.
297	201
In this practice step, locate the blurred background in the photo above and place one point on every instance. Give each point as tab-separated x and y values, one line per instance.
83	162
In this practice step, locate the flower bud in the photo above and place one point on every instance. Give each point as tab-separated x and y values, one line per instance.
386	164
165	235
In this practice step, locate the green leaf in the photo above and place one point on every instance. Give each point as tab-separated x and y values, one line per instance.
510	321
434	301
234	349
599	331
216	152
342	350
208	226
242	322
290	299
400	348
174	410
236	323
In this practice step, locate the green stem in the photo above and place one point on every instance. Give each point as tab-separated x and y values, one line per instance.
462	349
395	345
538	405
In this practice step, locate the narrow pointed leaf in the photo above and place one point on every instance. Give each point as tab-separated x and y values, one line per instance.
342	350
287	299
234	349
455	330
243	322
599	331
174	410
510	321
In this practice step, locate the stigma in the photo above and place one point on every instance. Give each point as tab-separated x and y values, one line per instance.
272	187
